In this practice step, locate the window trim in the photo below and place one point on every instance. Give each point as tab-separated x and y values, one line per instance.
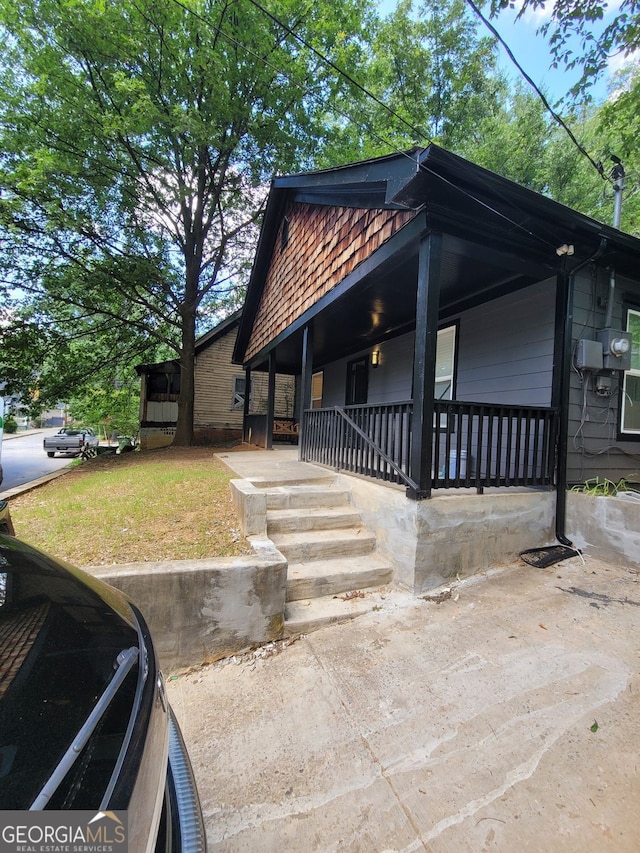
626	435
237	399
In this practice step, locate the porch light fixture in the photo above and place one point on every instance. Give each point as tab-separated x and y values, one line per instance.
375	358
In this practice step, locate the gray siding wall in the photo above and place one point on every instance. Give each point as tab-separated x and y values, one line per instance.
594	448
388	383
505	355
505	350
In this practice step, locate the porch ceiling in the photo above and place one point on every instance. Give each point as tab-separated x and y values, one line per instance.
383	304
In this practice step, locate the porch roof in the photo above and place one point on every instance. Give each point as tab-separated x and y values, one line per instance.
498	238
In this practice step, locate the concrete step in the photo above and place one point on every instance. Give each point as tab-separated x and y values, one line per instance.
303	617
324	544
306	496
317	518
332	577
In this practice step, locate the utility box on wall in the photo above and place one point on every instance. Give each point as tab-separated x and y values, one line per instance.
589	355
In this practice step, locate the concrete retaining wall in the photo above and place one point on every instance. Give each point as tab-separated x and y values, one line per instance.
605	527
251	507
202	610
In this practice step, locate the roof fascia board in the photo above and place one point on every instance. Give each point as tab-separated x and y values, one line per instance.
449	167
264	250
395	167
369	196
170	366
222	328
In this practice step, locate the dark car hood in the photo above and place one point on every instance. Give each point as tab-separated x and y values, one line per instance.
60	634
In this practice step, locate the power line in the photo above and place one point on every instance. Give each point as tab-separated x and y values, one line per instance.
421	167
488	207
306	89
597	166
415	130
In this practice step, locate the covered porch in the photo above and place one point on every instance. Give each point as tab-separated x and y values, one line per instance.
420	282
462	240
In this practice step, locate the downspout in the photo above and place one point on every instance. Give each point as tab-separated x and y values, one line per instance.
561	402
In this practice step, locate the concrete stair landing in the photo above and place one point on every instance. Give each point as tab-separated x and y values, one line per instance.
333	563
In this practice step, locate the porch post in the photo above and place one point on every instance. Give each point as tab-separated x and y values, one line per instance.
305	383
560	392
424	364
247	402
271	399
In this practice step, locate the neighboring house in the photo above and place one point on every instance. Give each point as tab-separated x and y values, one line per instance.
449	328
220	398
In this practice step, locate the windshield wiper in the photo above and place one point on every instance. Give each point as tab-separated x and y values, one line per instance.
124	663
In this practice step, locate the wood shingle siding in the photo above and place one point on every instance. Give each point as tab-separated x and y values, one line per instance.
324	245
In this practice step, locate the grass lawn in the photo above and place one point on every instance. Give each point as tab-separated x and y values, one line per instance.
169	504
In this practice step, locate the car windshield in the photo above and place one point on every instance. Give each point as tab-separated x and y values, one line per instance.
59	643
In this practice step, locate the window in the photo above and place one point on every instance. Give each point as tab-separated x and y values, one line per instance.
630	414
357	381
316	390
239	385
445	362
163	386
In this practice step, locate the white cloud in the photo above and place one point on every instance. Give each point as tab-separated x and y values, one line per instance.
621	61
536	17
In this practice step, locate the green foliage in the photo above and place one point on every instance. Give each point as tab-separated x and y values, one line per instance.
10	424
602	488
136	137
112	411
435	79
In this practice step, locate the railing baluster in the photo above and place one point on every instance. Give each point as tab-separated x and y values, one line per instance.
493	445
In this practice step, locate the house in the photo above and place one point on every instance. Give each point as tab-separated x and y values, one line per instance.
449	330
221	402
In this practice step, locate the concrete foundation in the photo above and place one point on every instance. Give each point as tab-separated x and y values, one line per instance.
608	527
201	610
456	533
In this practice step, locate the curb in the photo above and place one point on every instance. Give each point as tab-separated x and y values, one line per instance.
32	484
20	434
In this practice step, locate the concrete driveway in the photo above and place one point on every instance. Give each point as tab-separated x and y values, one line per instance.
503	718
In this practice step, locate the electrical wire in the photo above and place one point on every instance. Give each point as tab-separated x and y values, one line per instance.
488	207
306	89
220	31
415	130
596	165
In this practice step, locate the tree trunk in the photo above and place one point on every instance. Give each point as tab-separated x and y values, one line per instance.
184	436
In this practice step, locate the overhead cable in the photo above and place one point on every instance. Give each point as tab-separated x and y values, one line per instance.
306	89
420	134
395	149
597	166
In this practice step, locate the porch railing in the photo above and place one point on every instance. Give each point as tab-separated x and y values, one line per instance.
474	445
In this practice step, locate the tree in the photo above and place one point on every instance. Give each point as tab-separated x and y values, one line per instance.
136	137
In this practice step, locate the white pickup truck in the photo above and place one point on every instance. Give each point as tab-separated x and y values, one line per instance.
72	441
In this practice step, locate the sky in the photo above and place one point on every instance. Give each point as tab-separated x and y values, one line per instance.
531	51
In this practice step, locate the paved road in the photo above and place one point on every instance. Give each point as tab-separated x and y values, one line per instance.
23	458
